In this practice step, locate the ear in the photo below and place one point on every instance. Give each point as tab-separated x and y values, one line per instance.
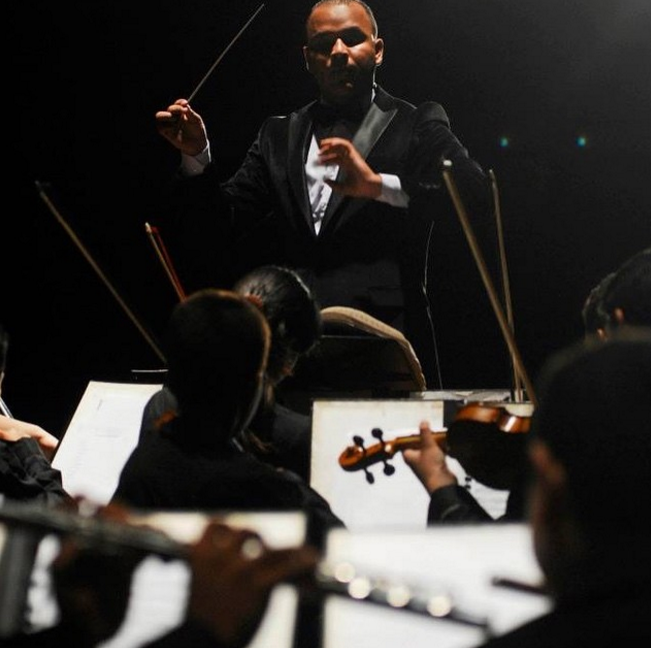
379	51
618	316
306	58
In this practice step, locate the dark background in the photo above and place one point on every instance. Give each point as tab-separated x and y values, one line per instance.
84	80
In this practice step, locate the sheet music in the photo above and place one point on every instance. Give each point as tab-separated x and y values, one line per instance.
102	434
392	501
457	559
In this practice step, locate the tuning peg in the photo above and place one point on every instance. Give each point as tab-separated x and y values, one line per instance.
370	478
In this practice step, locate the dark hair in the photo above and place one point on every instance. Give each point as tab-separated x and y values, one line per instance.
630	290
216	346
594	413
291	310
367	9
593	314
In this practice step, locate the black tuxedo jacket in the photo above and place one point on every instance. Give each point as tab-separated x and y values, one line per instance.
368	255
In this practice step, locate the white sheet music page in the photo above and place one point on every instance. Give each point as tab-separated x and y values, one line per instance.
458	561
100	437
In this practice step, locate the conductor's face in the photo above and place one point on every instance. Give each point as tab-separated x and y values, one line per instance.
342	51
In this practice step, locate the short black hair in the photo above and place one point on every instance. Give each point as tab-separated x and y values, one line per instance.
630	290
292	311
367	9
593	313
216	346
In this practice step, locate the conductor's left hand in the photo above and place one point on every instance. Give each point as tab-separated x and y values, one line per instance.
356	177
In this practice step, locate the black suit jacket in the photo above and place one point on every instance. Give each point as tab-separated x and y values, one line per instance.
368	255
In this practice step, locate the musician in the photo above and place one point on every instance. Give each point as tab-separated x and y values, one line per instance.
345	189
277	434
589	509
450	501
216	345
92	585
25	452
590	499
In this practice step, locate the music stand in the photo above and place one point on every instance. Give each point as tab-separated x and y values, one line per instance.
357	356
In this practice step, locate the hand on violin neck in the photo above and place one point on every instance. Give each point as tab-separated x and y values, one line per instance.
428	461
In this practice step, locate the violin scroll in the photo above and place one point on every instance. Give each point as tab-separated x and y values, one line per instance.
359	457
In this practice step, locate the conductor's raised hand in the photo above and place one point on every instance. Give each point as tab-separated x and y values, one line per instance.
356	177
182	127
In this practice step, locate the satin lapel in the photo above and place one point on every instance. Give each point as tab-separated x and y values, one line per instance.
300	127
374	124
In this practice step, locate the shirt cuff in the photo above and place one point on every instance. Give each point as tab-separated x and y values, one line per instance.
392	192
192	165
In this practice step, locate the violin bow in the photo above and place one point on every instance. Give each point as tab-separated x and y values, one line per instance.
4	409
161	252
55	212
485	275
506	286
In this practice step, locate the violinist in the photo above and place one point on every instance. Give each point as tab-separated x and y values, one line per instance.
449	501
589	501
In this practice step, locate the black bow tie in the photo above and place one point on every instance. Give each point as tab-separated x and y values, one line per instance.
327	114
336	121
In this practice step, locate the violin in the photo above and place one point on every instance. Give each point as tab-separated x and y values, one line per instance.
489	441
358	457
512	418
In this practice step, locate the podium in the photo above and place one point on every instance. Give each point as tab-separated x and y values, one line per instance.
357	356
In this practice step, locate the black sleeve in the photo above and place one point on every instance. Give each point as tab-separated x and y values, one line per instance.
320	517
27	475
455	504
